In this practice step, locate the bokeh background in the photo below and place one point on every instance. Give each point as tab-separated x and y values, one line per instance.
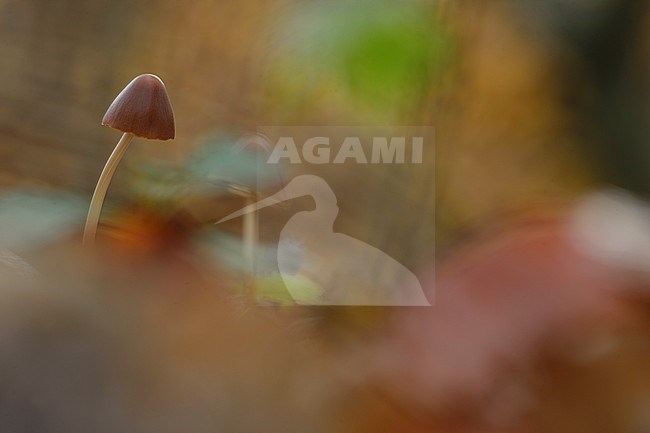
541	284
529	101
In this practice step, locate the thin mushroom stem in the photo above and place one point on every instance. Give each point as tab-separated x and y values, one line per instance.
250	235
104	181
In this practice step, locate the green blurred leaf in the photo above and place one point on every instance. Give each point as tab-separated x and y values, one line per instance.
380	55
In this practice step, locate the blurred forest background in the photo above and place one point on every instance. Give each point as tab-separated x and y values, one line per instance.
535	105
530	100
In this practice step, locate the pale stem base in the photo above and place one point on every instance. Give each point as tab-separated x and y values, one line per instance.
104	181
250	235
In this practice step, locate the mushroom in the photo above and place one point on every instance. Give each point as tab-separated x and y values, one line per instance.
142	109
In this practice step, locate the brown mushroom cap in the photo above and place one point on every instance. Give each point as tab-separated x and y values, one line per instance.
143	109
